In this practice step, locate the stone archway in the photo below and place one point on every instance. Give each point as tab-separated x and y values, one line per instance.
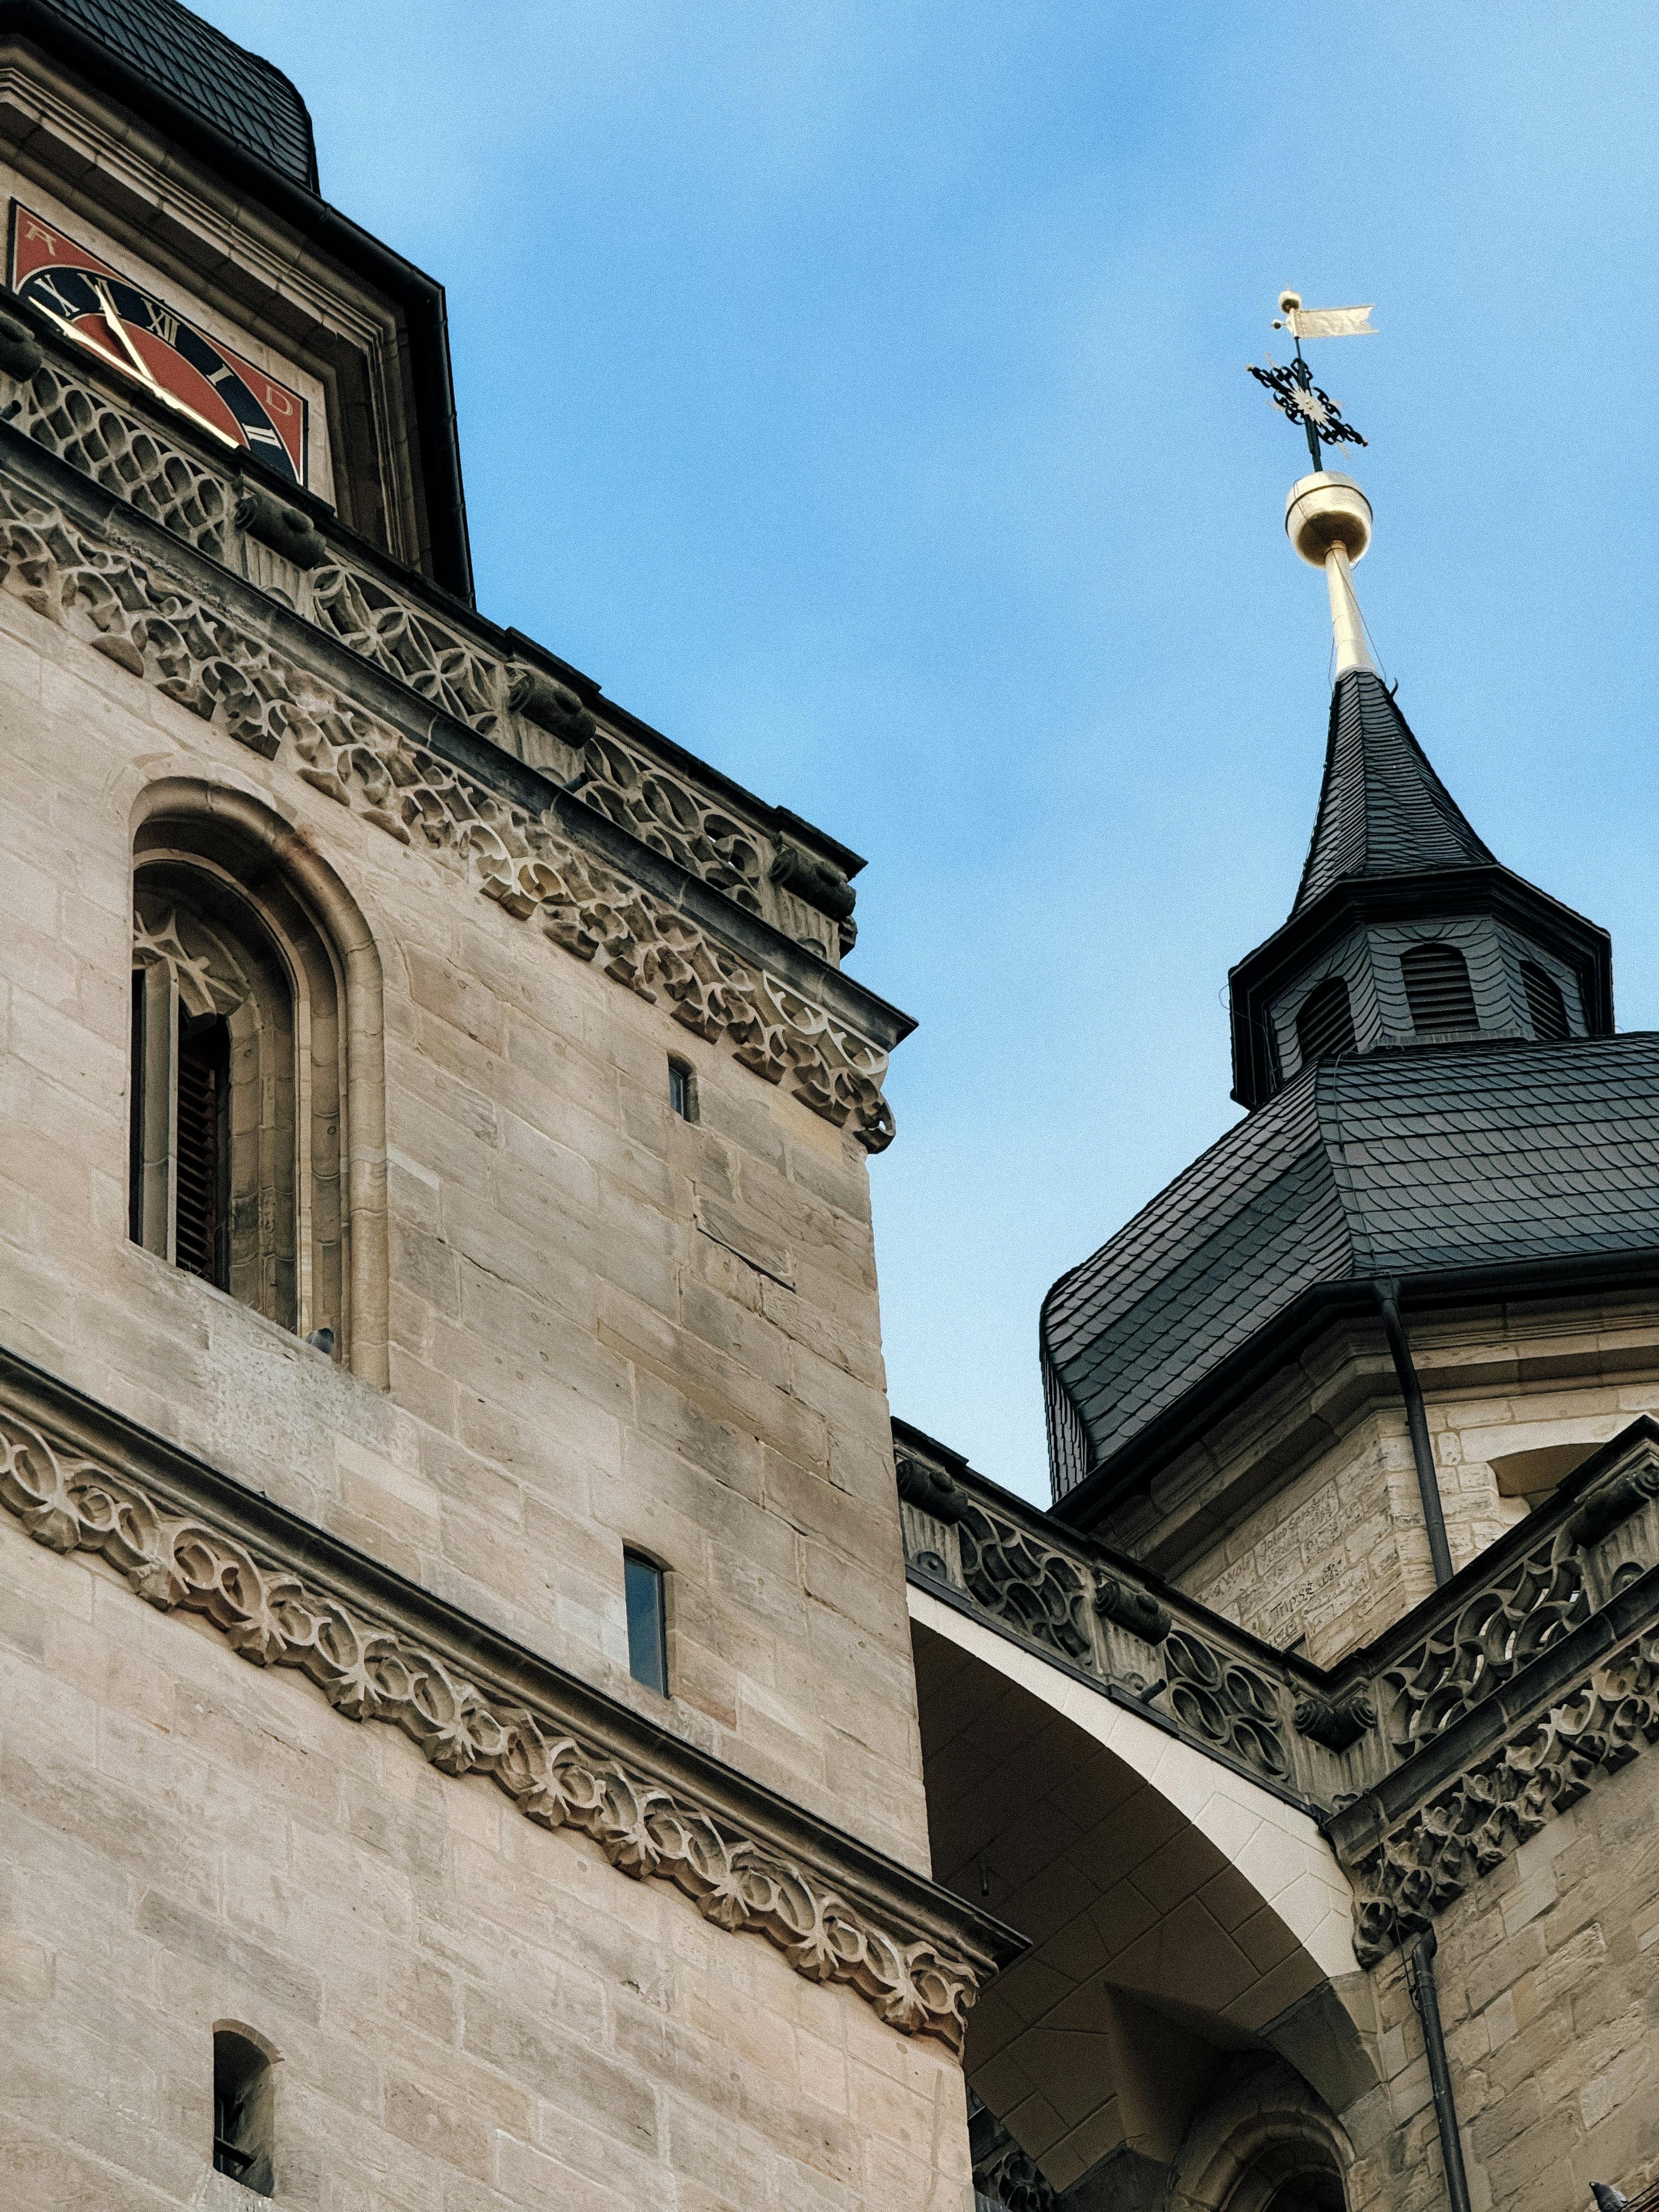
1180	1914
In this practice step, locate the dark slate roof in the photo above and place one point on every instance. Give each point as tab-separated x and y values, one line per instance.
249	100
1407	1163
1382	810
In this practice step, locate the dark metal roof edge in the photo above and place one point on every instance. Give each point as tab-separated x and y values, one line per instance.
445	1625
422	296
1352	901
1136	1464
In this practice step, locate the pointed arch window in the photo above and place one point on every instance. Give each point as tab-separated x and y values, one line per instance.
1545	1004
256	1094
1324	1025
1436	980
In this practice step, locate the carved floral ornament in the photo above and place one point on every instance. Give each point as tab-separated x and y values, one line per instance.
370	1671
149	625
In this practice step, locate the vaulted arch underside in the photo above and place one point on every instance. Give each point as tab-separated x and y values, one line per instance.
1179	1914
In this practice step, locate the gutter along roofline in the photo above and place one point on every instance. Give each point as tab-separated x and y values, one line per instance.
1132	1469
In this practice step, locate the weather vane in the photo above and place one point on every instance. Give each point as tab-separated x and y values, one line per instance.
1292	389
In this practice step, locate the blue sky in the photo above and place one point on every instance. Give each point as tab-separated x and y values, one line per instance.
857	392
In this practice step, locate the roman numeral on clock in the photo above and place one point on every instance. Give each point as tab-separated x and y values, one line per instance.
61	303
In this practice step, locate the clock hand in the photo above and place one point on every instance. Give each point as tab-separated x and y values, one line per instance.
112	316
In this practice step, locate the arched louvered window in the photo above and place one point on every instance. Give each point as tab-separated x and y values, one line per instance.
1325	1024
1437	991
257	1088
1547	1008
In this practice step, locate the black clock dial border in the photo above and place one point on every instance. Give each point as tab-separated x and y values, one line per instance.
68	292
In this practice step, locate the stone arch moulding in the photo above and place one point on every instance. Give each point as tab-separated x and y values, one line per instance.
1267	2141
188	823
1181	1912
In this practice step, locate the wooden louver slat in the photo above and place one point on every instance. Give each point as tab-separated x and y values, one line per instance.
1436	978
1324	1026
1545	1004
199	1156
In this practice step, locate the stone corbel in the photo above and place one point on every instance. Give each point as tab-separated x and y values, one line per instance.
19	349
817	881
1138	1611
294	536
551	705
1336	1722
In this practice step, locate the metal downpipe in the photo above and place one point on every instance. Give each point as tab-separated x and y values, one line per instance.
1419	1977
1416	1423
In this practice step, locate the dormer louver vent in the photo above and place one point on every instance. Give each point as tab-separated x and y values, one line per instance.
1545	1004
1324	1026
1437	991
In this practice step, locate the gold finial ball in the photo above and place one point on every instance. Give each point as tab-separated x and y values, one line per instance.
1325	510
1289	302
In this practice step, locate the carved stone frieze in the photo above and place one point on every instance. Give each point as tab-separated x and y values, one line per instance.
405	638
125	456
664	813
1588	1561
368	1670
1010	2179
1225	1703
401	638
149	625
1046	1589
1031	1586
1534	1601
1466	1828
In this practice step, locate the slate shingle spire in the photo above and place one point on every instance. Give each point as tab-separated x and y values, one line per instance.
1407	931
1382	810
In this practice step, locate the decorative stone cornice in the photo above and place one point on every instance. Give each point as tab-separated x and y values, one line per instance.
1427	1756
447	656
285	1594
145	620
1497	1801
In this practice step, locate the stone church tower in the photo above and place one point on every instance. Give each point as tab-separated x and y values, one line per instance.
460	1746
489	1720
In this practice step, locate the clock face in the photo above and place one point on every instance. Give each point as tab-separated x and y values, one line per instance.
130	330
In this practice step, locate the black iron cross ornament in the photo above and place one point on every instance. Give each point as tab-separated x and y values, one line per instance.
1291	388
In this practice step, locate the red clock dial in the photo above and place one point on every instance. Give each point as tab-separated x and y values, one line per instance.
132	330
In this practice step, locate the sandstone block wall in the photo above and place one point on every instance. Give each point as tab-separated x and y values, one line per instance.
470	2014
1548	1979
1327	1544
607	1326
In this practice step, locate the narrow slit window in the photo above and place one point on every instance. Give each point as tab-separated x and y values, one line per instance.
1436	978
647	1624
1545	1004
243	2096
682	1089
1324	1026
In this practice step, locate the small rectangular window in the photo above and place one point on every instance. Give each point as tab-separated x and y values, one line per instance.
682	1089
647	1628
